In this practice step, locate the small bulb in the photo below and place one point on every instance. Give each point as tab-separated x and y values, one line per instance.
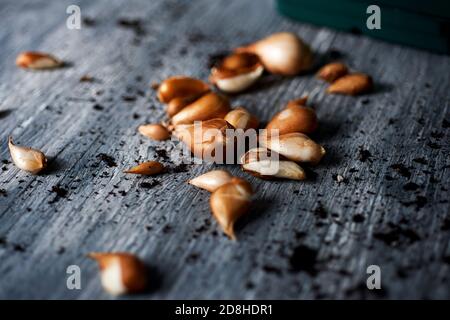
180	86
209	106
332	71
26	158
351	84
282	53
296	117
237	72
154	131
229	202
147	168
121	272
295	146
211	180
265	164
37	60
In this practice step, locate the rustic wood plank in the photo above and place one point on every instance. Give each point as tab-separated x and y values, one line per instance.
302	240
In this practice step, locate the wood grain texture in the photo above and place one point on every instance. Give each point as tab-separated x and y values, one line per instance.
311	239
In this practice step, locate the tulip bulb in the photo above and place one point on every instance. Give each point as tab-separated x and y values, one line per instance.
229	202
295	146
351	84
237	72
26	158
37	61
265	164
154	131
296	117
180	86
147	168
121	272
207	107
282	53
211	180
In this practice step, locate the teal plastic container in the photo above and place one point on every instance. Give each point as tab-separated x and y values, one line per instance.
422	26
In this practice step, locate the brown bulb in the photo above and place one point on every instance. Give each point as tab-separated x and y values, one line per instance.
294	118
229	202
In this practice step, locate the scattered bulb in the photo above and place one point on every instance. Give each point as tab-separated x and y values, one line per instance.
296	117
154	131
37	60
211	180
332	71
121	272
294	146
352	84
209	106
180	86
263	163
26	158
147	168
282	53
229	202
237	72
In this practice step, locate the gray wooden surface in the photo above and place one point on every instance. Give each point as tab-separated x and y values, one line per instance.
311	239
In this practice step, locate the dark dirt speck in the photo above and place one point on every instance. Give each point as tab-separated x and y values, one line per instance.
19	248
401	169
445	124
193	257
59	192
320	212
396	236
304	259
421	160
135	25
411	186
445	224
272	269
129	98
167	228
149	184
358	218
419	202
98	107
88	22
86	78
182	167
162	154
364	155
107	159
434	145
